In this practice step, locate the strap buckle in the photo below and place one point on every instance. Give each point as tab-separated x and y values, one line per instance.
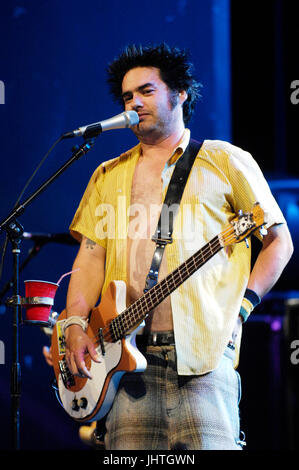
164	240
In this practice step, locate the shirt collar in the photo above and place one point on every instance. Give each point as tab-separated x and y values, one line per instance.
180	148
177	152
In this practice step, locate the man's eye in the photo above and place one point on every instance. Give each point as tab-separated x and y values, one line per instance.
147	92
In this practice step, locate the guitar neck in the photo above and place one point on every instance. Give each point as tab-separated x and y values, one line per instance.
138	311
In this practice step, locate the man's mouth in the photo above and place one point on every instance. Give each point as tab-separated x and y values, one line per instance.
142	115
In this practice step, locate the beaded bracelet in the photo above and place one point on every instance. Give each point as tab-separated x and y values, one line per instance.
250	300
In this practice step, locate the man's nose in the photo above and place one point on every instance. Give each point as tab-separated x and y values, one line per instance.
137	102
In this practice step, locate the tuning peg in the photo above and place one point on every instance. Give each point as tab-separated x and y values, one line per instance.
246	241
263	231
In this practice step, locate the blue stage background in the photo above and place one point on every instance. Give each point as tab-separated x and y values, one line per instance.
52	67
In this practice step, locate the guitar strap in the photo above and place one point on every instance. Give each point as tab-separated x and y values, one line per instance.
163	233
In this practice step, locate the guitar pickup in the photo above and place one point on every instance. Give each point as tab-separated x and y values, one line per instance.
67	377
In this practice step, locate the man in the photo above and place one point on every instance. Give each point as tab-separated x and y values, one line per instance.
188	396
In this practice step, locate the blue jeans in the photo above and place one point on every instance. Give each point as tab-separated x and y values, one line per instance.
160	410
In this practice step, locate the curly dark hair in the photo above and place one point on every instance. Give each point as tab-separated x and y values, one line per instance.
175	71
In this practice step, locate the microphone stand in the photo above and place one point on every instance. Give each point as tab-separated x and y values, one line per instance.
15	232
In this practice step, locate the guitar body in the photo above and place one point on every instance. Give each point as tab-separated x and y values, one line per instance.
85	399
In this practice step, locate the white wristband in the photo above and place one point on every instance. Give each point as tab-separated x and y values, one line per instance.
75	320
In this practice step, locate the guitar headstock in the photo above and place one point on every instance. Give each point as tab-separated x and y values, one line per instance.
243	225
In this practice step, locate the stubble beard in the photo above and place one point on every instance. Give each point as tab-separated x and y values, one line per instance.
162	125
152	132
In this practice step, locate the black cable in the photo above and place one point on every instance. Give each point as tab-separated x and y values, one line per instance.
4	246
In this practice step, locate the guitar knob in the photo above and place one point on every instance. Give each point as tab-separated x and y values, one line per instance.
83	402
75	406
263	231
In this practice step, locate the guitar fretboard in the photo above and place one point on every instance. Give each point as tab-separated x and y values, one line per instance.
138	311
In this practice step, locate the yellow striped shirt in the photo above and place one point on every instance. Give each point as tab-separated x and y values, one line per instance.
224	180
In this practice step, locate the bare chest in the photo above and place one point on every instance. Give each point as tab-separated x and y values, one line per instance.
145	208
147	184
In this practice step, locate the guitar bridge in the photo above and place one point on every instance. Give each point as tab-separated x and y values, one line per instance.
66	375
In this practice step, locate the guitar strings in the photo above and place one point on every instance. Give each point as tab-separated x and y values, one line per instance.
175	275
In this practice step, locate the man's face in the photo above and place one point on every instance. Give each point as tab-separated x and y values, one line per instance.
158	108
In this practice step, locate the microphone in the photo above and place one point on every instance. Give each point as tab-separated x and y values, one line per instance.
42	238
120	121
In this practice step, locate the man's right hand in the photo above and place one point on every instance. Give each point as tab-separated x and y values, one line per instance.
83	293
78	344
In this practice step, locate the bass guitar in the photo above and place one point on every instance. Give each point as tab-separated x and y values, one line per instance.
113	327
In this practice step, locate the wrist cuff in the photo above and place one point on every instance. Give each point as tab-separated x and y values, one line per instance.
74	320
249	302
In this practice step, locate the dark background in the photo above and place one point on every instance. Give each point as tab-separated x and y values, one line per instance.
52	63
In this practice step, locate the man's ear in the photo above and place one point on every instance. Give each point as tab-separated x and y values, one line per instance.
183	95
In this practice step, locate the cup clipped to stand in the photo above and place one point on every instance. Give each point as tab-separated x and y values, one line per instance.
39	300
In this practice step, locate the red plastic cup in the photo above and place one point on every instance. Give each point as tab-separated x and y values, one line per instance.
38	302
